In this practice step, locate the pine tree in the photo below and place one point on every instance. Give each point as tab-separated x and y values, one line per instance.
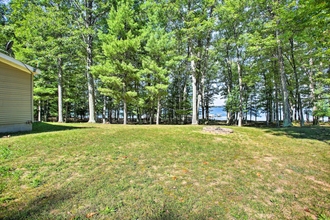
44	38
89	16
120	47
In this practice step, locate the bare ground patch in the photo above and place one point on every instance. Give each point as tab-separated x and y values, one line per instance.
217	130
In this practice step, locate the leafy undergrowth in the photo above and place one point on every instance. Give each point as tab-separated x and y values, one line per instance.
84	171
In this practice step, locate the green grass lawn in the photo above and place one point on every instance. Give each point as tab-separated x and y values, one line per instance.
80	171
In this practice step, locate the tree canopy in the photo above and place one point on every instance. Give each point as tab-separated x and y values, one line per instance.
166	61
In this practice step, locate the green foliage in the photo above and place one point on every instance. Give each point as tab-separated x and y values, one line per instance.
322	105
232	102
322	108
121	45
142	52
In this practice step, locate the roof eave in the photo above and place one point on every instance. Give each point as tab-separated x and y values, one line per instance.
18	64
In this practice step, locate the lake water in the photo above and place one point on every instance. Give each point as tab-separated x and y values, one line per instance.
219	113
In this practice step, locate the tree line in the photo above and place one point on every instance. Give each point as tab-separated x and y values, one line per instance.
167	60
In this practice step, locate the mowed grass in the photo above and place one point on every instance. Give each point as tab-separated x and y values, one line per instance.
81	171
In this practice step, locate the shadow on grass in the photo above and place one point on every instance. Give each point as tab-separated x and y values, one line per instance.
48	206
314	133
41	127
171	214
41	206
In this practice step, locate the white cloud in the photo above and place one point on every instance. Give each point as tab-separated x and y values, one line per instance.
218	101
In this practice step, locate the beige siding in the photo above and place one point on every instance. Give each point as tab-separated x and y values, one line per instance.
15	96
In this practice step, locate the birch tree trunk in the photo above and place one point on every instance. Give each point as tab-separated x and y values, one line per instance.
104	109
285	93
90	82
59	90
300	110
229	82
89	61
158	111
194	119
312	90
125	112
39	110
202	96
240	114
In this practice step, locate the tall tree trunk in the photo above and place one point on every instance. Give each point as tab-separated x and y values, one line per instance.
312	90
66	111
138	115
240	114
104	109
229	82
117	114
125	105
60	90
194	119
39	110
46	106
90	81
285	93
251	101
300	109
267	112
109	112
89	61
207	110
246	113
270	107
125	112
202	93
75	116
151	113
158	111
199	97
276	106
276	85
184	99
